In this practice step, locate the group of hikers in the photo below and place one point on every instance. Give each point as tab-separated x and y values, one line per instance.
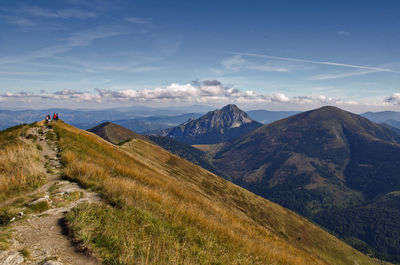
55	117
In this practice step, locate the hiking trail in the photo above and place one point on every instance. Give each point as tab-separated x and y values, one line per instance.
41	237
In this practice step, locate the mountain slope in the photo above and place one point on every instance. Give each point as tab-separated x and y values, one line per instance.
320	162
165	210
114	133
214	127
117	134
187	152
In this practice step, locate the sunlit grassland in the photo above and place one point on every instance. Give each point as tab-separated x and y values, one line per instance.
20	165
165	210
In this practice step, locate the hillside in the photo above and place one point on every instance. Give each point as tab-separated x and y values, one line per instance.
183	212
117	134
187	152
159	209
214	127
329	165
114	133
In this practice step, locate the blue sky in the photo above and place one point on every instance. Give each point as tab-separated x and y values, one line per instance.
274	55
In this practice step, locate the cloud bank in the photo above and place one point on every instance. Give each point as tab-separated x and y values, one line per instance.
198	92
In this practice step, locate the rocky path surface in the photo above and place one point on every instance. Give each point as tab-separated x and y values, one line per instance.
38	234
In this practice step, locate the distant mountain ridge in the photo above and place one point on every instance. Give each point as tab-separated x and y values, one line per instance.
214	127
391	118
115	133
154	123
142	118
268	116
327	164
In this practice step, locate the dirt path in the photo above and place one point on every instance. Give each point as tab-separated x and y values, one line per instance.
38	236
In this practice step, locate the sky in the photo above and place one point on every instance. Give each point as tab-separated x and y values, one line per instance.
275	55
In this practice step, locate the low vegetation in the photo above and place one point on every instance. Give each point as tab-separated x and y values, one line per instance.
186	152
330	166
26	253
39	207
165	210
20	165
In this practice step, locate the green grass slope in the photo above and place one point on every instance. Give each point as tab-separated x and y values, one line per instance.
165	210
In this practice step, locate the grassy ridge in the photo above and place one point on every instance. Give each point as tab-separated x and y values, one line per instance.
114	133
165	210
20	165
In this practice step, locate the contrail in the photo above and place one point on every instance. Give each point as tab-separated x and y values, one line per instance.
377	69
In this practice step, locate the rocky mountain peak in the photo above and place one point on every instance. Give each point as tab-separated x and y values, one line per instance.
230	107
214	127
229	116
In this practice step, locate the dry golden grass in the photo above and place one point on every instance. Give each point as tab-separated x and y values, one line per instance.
210	149
20	165
165	210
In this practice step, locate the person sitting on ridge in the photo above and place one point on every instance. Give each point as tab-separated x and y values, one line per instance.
48	118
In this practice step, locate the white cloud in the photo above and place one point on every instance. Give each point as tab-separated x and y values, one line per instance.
342	74
268	68
237	62
137	20
393	99
78	39
343	33
233	63
86	37
70	94
208	91
61	14
19	21
279	97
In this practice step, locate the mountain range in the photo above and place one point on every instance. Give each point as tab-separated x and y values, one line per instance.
156	123
214	127
330	165
142	119
138	119
391	118
146	205
336	168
